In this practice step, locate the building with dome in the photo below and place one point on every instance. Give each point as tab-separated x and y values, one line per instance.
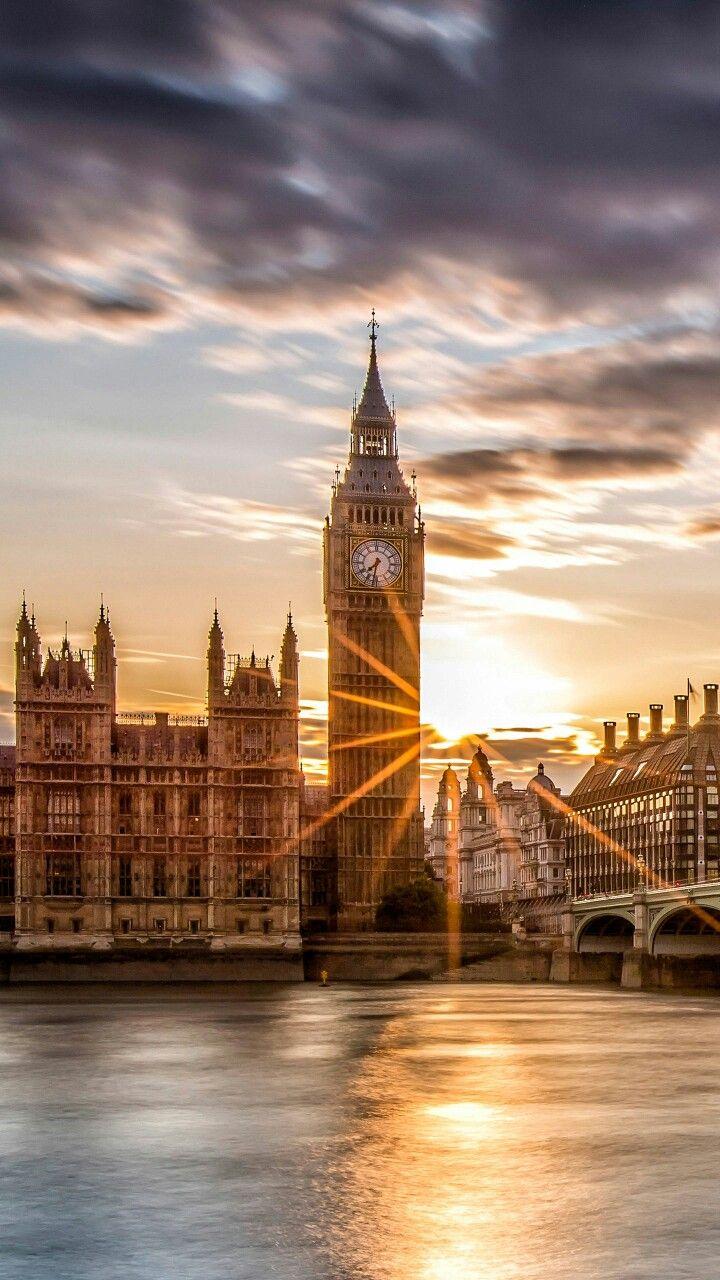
647	809
510	840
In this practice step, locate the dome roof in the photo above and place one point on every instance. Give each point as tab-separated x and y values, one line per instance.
480	767
541	779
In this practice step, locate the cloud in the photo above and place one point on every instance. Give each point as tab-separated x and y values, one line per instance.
704	527
629	404
56	308
212	514
483	477
502	603
466	539
502	508
483	147
514	753
575	431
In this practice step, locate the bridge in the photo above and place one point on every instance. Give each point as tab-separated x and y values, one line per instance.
673	921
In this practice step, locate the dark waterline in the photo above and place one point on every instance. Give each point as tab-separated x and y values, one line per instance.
382	1133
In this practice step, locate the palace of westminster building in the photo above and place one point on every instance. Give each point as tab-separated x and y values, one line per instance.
124	828
127	829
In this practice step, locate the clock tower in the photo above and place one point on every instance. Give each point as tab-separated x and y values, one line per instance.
373	586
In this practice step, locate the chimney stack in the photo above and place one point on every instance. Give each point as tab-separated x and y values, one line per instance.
656	719
681	711
711	700
633	729
609	748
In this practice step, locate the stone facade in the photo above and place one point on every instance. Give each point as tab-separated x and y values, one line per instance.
150	826
139	827
509	841
443	841
373	587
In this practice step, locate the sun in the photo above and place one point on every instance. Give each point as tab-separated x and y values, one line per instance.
491	689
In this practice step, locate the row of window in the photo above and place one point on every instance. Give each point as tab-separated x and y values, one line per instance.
159	925
64	877
63	810
376	515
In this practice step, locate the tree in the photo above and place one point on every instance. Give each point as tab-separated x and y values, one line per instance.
418	907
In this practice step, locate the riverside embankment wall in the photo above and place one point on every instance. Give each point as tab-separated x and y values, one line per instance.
388	957
366	957
79	965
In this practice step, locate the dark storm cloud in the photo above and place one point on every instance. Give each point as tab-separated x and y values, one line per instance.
165	31
303	147
31	301
657	395
517	477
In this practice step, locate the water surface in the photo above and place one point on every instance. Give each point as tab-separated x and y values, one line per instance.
380	1133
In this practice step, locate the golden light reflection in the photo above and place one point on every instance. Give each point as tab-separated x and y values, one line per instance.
420	1190
464	1113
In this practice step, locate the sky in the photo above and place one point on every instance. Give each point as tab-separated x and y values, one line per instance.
200	204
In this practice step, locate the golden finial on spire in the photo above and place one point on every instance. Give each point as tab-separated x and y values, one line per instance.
373	326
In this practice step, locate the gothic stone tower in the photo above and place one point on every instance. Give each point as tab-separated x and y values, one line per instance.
65	712
373	585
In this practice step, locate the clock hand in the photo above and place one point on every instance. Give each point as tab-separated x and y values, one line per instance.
375	569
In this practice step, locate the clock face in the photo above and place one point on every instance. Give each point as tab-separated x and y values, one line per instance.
376	563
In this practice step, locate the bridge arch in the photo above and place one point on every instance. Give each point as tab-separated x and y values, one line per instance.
605	931
685	929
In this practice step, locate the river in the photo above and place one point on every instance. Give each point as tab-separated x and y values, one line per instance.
421	1132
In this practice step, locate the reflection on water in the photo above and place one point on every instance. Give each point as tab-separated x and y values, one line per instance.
405	1133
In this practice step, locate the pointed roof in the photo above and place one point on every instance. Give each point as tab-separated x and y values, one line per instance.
103	622
373	404
289	624
215	634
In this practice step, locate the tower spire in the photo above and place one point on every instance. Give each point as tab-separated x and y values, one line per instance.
373	406
215	662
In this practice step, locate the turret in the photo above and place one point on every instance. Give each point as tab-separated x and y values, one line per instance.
216	663
289	664
27	651
479	777
104	661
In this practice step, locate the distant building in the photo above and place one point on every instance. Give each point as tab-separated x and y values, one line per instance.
147	826
509	841
648	809
541	866
7	841
442	854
